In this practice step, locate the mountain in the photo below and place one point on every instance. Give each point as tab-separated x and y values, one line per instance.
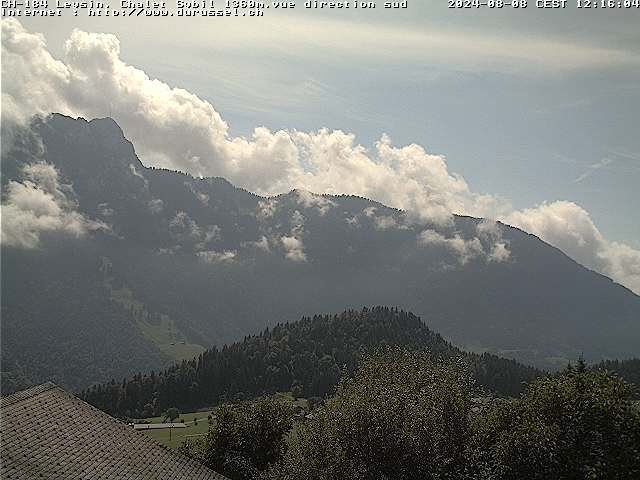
308	356
110	267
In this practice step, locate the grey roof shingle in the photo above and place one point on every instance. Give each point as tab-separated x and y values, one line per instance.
49	433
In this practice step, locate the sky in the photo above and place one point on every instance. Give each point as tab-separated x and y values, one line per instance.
527	116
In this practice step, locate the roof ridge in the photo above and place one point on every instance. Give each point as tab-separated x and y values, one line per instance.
25	394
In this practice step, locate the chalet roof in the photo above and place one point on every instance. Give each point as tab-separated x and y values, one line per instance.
49	433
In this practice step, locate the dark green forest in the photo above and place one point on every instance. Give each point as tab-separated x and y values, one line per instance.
407	416
307	357
627	369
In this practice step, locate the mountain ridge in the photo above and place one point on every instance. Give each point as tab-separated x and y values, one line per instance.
174	258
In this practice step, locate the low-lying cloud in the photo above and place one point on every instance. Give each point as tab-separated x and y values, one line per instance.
293	244
174	128
41	204
215	257
569	227
466	250
294	249
322	204
186	231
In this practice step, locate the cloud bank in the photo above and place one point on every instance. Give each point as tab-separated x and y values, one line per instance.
174	128
41	204
464	250
570	228
215	257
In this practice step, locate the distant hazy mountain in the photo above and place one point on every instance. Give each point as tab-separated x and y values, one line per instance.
113	267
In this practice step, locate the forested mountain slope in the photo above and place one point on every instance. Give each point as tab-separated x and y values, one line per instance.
308	356
138	267
627	369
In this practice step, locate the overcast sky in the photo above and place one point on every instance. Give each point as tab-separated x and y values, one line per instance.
527	106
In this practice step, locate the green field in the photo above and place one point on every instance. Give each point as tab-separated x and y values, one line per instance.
174	437
163	332
177	436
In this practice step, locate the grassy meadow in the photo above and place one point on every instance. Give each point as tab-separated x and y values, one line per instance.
198	428
174	437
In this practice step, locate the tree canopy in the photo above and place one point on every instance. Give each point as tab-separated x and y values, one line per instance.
581	424
245	437
308	357
408	415
403	415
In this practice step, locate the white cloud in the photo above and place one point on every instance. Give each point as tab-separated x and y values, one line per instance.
297	223
105	210
266	209
36	81
156	205
491	232
213	233
570	228
41	204
261	244
186	230
182	226
202	197
469	249
354	220
134	171
173	128
465	250
332	41
401	220
385	222
489	229
214	257
381	222
604	163
312	200
294	249
169	251
465	49
499	252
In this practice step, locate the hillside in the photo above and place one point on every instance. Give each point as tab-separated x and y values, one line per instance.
150	266
308	357
627	369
